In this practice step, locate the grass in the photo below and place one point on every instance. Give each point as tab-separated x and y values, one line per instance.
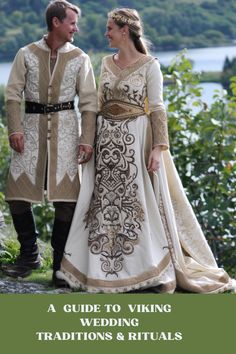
40	277
9	249
210	76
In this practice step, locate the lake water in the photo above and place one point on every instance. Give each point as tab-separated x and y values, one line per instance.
4	72
204	59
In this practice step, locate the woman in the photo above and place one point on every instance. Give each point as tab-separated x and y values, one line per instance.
135	229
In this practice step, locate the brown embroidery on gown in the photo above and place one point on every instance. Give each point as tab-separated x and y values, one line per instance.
115	213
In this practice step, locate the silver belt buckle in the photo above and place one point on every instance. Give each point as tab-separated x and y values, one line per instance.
46	107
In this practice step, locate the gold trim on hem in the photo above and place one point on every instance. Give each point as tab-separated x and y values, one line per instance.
80	280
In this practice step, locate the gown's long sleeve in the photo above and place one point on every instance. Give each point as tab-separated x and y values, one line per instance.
156	106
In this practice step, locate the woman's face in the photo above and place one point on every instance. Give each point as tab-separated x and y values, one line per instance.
114	34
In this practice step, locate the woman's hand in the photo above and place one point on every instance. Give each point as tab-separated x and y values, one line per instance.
154	159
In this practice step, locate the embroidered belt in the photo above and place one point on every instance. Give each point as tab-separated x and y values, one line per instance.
39	108
121	110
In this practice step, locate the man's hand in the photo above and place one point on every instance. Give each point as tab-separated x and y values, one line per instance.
16	141
85	153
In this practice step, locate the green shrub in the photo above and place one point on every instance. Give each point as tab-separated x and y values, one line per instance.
203	147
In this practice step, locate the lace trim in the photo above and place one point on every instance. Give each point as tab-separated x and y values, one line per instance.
67	148
31	87
27	162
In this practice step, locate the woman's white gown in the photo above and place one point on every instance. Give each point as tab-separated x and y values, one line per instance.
131	230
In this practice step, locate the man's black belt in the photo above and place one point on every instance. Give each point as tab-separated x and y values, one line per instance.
39	108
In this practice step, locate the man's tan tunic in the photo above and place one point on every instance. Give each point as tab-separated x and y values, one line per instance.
51	140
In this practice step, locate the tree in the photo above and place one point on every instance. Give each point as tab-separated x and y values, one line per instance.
229	70
168	24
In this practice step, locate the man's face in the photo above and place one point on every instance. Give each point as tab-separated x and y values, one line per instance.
68	26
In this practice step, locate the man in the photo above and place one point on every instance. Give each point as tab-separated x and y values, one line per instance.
45	143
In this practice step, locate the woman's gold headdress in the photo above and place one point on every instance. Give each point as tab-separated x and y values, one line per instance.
122	18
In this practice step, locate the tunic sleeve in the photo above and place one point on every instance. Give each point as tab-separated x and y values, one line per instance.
86	89
156	105
14	93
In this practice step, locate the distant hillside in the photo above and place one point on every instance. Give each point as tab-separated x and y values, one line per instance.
169	24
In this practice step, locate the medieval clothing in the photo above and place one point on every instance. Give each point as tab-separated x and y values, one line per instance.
136	230
51	139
